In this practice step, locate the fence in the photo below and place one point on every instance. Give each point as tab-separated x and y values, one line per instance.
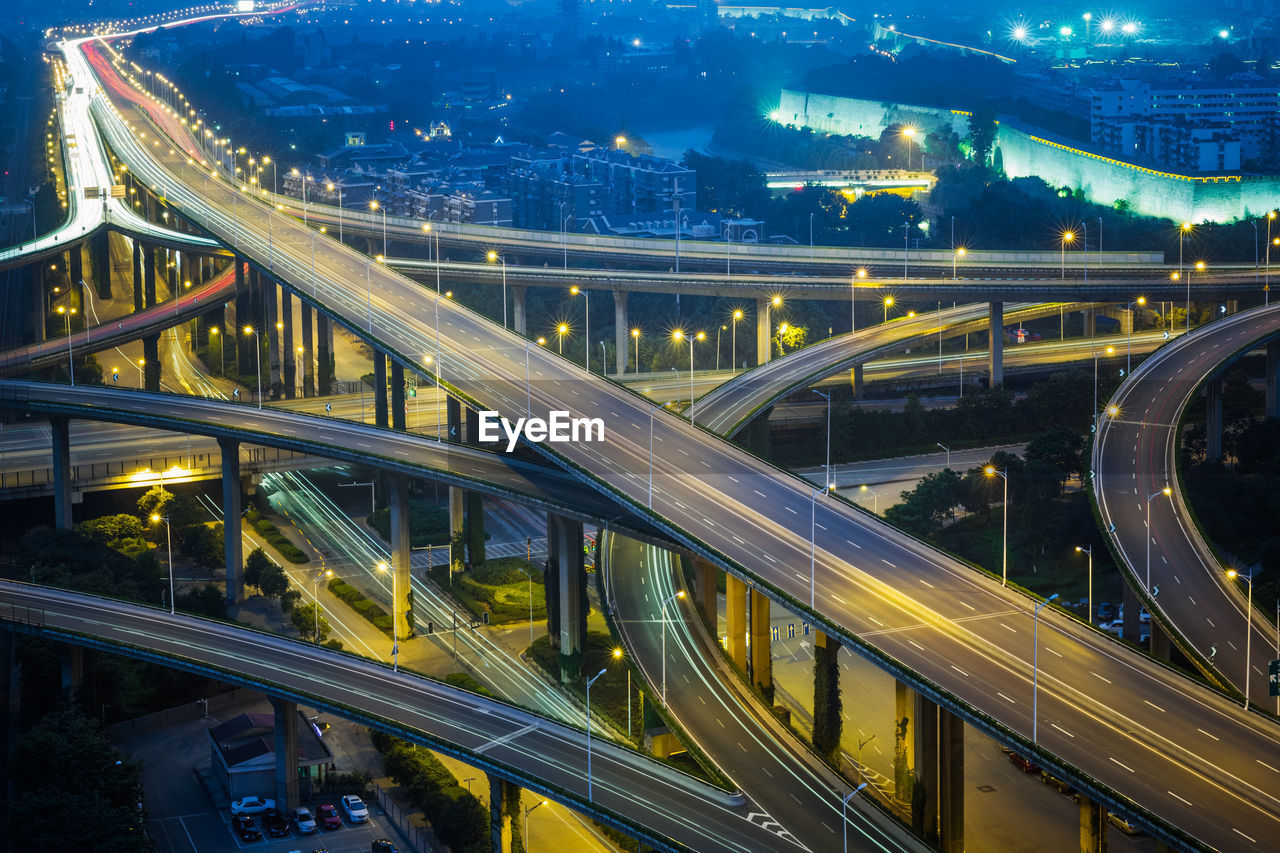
418	841
151	471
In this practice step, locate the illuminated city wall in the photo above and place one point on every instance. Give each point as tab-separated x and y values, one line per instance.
1024	153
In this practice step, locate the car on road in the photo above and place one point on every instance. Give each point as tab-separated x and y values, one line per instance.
1123	824
304	821
1026	765
1116	627
251	805
355	808
382	845
276	825
327	816
1106	611
245	828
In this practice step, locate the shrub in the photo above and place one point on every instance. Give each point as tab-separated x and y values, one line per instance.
369	610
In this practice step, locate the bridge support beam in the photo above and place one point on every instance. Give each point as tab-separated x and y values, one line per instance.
501	794
565	557
151	370
60	427
324	353
950	782
735	609
995	357
398	420
621	331
138	303
453	418
1273	380
71	666
1213	419
761	644
704	591
1130	629
457	539
270	317
1159	645
764	337
827	719
518	321
400	552
244	317
231	536
904	743
1089	321
100	258
286	749
288	355
379	388
856	380
1093	826
149	275
308	352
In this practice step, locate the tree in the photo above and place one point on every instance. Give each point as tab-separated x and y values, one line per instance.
122	532
304	620
254	566
1059	447
156	501
204	600
982	134
274	582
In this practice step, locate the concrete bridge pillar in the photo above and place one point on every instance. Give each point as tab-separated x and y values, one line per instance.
736	619
1093	826
995	357
828	721
565	557
764	334
75	266
308	352
1130	630
457	528
71	665
60	427
379	388
1089	321
149	274
286	749
324	354
398	420
1159	644
904	743
100	253
1213	419
138	266
621	331
453	418
501	794
231	536
1273	380
244	317
400	551
517	309
704	591
950	782
855	379
151	369
761	644
271	327
289	356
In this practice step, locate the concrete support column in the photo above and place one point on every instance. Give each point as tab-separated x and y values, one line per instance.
324	354
950	782
1093	826
400	550
704	590
904	742
1089	321
572	598
457	519
925	782
286	748
149	275
621	330
71	664
764	338
828	719
1130	630
231	537
453	418
1125	316
244	317
151	370
379	388
75	265
308	352
499	815
1213	419
995	357
270	320
856	380
288	355
138	302
100	254
60	426
1158	642
761	644
517	309
1273	380
397	397
736	619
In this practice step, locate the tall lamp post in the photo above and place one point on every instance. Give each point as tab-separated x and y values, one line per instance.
1094	414
395	623
1166	491
494	256
1035	666
844	821
733	342
373	205
722	328
830	483
957	254
527	811
561	331
888	303
66	316
992	471
617	655
666	601
1199	267
1088	550
590	682
860	274
635	336
315	598
331	187
1128	338
1183	230
875	498
1067	237
586	320
168	535
257	346
909	133
678	335
1248	629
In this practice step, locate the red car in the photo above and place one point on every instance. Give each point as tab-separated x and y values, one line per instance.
328	818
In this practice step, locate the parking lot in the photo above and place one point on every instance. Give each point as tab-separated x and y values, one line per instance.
207	832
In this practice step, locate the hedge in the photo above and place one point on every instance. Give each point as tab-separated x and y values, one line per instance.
278	540
370	610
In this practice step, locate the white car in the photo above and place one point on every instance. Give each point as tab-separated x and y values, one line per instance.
304	820
251	805
355	809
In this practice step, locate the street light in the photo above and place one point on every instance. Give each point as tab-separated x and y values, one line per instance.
315	595
1166	491
1248	629
1035	665
331	187
723	328
561	331
830	483
677	336
1199	267
257	346
590	682
71	366
668	600
1183	230
1089	551
586	320
775	302
617	655
494	256
395	625
875	498
888	303
373	205
782	330
909	133
529	576
1094	413
168	535
733	345
844	821
1128	338
853	298
1067	237
635	335
1004	547
959	253
532	808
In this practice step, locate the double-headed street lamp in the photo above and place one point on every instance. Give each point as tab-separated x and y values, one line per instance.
678	335
1167	492
1035	665
168	535
494	256
665	602
1088	550
992	471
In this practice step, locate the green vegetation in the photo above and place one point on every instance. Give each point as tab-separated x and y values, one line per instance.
370	610
496	587
428	523
609	693
827	721
458	818
275	538
467	682
309	624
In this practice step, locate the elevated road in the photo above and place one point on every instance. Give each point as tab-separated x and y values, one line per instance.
1135	458
635	794
1126	730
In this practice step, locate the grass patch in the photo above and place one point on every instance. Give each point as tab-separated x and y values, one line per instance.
498	588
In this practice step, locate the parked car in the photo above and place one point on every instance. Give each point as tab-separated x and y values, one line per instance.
1060	785
1116	627
1106	611
383	845
1026	765
245	828
275	824
304	821
1123	824
327	816
355	809
251	805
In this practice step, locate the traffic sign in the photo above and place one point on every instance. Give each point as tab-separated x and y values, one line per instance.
1273	677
